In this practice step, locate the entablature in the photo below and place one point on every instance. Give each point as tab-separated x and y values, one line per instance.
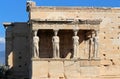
66	24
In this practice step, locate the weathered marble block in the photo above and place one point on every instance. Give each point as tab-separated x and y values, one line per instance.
72	69
39	69
56	69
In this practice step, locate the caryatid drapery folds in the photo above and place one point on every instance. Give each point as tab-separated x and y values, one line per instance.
95	39
94	44
55	41
35	44
75	43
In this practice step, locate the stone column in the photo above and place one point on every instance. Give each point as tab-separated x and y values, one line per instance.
95	54
35	44
75	44
55	41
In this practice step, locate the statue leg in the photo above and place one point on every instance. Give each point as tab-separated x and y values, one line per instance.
58	53
37	52
96	50
54	51
34	52
75	51
95	53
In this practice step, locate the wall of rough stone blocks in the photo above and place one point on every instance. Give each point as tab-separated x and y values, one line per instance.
71	69
64	69
18	49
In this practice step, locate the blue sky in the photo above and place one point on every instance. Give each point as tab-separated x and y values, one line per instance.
15	10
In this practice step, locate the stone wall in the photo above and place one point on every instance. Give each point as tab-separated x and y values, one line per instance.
18	49
65	69
73	69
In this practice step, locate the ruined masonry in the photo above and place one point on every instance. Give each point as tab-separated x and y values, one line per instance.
64	43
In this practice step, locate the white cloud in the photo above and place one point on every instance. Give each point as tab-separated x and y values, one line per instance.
2	40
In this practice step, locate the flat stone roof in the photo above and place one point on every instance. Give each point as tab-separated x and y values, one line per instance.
32	5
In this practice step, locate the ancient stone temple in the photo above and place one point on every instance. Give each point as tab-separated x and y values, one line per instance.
64	43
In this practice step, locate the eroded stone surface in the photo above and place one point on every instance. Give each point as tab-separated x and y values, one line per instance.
41	67
56	69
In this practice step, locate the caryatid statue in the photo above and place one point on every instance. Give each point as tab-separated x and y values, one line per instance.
75	43
95	54
55	41
91	42
35	45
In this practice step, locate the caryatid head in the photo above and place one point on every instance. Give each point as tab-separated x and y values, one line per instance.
75	31
35	32
56	31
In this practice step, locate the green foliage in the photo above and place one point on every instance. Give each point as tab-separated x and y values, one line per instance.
3	70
